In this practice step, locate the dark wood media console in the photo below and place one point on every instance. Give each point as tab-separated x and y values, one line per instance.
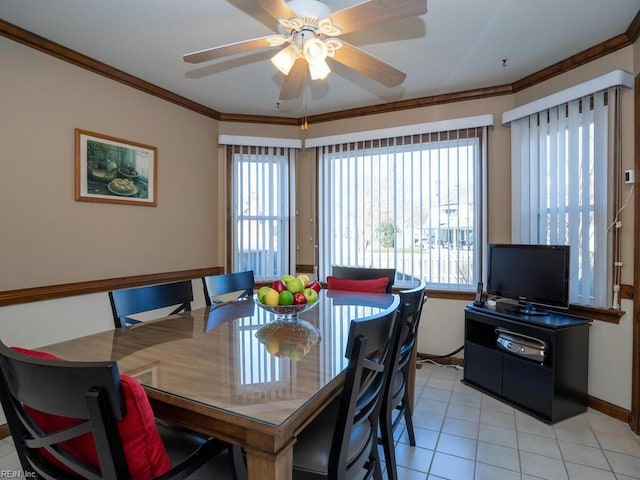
550	387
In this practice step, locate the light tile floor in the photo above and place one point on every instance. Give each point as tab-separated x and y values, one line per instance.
462	434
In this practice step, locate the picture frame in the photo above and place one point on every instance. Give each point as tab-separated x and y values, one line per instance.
114	170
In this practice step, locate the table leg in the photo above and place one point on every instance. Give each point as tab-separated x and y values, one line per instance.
270	467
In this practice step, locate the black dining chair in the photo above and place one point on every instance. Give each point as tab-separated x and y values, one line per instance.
358	273
342	441
84	420
397	404
130	301
240	283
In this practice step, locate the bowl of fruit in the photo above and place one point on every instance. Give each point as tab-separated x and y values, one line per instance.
284	338
289	296
128	171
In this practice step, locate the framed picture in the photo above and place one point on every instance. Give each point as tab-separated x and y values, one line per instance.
113	170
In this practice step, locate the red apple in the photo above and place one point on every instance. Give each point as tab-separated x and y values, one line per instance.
279	286
299	298
315	285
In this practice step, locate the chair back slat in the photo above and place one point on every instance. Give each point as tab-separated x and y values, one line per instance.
415	298
215	286
130	301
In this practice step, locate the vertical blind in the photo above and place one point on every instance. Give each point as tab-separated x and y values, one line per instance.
261	220
561	163
411	203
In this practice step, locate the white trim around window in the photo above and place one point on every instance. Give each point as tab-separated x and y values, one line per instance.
246	141
402	131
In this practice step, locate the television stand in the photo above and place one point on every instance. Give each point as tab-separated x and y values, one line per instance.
540	366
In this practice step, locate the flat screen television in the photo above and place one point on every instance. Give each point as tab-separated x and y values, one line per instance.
534	275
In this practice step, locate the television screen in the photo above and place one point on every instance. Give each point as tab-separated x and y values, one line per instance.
531	274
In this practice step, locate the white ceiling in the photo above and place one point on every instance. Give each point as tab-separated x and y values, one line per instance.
457	45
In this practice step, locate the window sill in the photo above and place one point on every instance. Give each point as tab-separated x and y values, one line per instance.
608	315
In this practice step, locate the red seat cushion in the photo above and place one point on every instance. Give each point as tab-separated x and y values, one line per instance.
374	285
143	447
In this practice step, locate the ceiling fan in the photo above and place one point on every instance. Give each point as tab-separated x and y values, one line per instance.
308	29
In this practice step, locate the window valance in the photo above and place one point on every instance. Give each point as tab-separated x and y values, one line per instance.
611	79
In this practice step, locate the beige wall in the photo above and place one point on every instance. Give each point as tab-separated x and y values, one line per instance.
49	238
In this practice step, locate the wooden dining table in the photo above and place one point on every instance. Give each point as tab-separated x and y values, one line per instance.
238	372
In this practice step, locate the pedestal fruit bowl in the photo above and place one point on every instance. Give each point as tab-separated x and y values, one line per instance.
286	312
289	296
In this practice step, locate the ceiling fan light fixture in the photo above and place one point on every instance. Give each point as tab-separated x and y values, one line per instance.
314	50
315	53
319	70
284	59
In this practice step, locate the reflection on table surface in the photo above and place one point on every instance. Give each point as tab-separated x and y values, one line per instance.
213	356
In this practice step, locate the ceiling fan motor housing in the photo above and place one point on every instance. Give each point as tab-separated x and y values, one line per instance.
309	8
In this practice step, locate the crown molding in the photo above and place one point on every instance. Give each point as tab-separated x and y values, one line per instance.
602	49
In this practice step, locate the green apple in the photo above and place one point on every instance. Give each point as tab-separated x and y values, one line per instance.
262	292
285	298
295	285
286	278
310	294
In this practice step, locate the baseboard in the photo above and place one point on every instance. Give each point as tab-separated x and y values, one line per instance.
609	409
458	361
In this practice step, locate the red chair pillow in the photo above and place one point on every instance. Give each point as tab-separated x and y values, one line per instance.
143	447
374	285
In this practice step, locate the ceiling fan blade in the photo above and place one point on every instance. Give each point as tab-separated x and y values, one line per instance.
276	8
226	50
376	11
293	83
368	65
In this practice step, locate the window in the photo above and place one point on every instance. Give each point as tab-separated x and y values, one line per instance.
411	203
261	223
561	171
